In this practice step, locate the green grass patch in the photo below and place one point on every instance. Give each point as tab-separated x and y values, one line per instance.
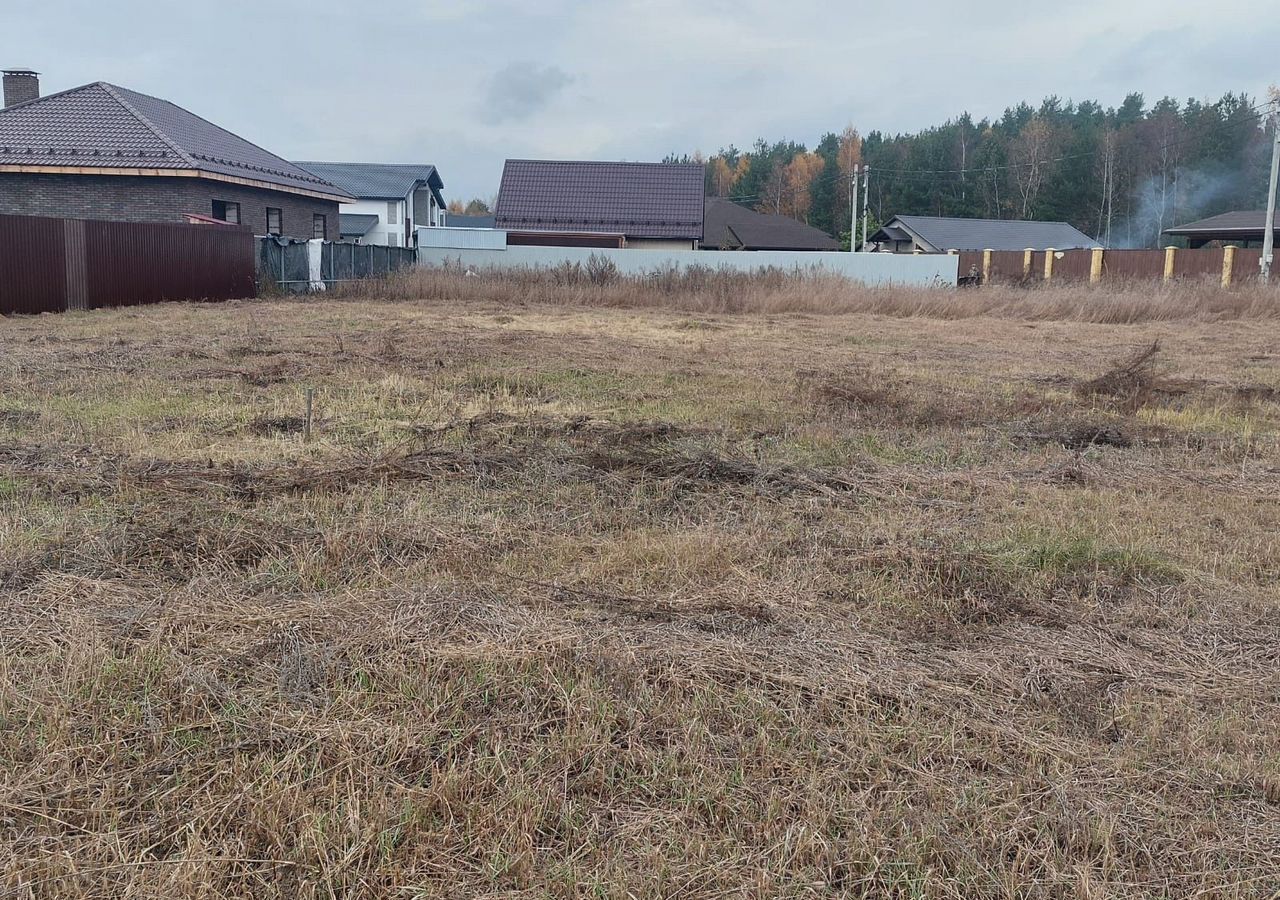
1068	555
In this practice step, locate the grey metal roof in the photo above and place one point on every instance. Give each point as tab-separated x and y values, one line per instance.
942	234
378	181
458	220
357	224
730	226
101	125
639	200
1237	222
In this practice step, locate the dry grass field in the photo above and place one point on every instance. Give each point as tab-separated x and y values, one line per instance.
579	590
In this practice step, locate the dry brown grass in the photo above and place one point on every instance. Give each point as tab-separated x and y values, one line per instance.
712	291
639	602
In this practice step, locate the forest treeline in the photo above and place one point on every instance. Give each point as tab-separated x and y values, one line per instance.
1121	174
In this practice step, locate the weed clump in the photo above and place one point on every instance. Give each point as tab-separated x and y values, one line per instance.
1134	382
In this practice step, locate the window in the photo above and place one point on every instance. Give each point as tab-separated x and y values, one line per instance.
227	212
275	221
318	229
393	239
393	213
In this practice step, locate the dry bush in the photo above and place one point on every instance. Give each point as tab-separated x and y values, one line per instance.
707	290
1134	382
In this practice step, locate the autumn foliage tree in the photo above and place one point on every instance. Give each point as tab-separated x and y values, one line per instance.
1120	173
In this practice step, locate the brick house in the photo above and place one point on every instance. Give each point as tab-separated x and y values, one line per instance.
105	152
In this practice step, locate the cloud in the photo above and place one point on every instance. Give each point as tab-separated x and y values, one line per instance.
522	89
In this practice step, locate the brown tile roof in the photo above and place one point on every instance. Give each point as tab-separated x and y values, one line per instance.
1229	223
942	234
639	200
729	226
101	125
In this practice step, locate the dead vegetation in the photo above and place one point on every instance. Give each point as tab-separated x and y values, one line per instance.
773	291
574	602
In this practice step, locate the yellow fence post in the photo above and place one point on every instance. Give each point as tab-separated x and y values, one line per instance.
1026	262
1048	264
1170	254
1095	266
1228	265
986	266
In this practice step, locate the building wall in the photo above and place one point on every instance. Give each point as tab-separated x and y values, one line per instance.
426	211
935	270
380	234
136	198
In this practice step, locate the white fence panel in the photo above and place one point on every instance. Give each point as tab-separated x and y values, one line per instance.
868	268
462	238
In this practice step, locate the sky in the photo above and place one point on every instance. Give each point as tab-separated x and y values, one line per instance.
465	85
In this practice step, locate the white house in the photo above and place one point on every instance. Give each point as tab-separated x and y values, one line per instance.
392	201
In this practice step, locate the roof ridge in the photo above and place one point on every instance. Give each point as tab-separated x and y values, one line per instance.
41	99
170	142
191	157
979	219
602	162
329	162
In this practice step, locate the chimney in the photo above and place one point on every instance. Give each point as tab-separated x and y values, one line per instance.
20	85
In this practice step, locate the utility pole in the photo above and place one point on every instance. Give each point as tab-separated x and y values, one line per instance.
1269	226
866	203
853	214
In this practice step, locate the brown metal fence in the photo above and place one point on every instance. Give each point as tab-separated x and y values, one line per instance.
52	265
33	267
1071	265
1248	265
1144	264
1205	264
1201	264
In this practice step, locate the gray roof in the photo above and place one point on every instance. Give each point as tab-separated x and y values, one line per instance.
458	220
729	226
639	200
1239	222
379	181
101	125
357	224
941	234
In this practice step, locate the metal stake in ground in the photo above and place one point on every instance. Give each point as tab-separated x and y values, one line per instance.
306	428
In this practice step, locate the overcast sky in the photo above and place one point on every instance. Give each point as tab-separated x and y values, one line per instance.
465	85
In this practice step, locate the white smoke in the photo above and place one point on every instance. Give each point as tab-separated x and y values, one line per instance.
1160	203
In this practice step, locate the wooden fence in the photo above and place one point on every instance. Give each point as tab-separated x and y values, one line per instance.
54	265
1227	266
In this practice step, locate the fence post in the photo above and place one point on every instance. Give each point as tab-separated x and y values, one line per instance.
1095	266
1048	264
986	266
1228	265
1170	255
1026	262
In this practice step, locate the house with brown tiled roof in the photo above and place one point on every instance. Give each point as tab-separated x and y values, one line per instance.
100	151
731	226
601	204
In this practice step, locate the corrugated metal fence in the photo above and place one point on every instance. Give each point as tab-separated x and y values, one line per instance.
53	265
294	266
1018	266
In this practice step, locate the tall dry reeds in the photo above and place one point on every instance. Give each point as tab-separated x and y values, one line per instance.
769	291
